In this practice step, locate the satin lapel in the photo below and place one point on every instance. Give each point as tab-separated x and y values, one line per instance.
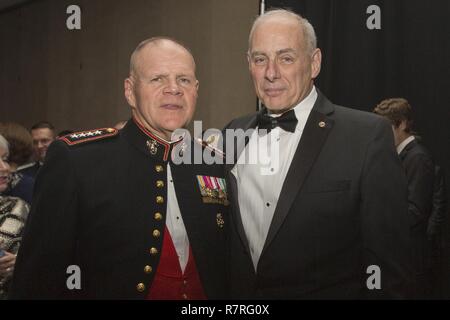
238	148
239	143
235	211
313	138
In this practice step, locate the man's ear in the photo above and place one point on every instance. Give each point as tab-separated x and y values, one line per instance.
316	62
129	91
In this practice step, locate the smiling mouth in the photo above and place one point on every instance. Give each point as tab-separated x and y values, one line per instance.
170	106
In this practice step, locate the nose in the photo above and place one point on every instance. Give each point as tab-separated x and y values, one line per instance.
172	87
272	71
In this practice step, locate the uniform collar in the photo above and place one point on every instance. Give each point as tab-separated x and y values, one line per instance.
148	142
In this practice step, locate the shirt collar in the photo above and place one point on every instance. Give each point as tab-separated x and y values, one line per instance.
404	143
303	109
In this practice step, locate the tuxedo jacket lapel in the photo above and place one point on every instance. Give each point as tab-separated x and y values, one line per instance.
238	148
313	137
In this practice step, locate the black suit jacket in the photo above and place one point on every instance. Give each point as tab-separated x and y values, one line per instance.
439	212
342	208
420	171
95	206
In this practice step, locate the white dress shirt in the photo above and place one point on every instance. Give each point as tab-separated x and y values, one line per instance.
175	224
259	184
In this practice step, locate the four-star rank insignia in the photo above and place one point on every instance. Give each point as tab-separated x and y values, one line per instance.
213	190
90	135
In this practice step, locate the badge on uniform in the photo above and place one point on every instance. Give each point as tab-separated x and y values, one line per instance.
89	135
213	189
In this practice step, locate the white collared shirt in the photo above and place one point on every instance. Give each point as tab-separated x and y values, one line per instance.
259	185
175	224
404	143
174	220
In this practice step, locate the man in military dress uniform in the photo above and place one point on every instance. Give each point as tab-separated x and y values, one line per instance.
114	203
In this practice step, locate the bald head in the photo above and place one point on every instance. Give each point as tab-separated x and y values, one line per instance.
148	44
283	16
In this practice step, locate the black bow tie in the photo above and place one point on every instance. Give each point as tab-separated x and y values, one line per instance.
287	121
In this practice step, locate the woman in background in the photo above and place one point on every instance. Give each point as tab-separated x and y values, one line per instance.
20	145
13	213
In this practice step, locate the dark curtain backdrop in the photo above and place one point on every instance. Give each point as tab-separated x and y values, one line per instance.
409	57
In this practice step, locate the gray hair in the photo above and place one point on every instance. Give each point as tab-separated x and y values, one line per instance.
4	143
154	40
305	25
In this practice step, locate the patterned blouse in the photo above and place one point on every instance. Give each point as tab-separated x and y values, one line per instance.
13	214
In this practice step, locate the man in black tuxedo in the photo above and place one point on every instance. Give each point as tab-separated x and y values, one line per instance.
329	210
420	171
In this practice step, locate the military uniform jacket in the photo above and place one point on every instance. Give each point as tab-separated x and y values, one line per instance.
101	205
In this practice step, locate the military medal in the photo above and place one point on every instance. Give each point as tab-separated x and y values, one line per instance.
219	220
213	189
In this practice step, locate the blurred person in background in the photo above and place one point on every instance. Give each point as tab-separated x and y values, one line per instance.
43	134
13	213
20	151
420	172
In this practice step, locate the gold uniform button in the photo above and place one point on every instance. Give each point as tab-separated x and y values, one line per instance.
159	168
184	296
160	184
158	216
140	287
148	269
159	200
153	251
156	233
